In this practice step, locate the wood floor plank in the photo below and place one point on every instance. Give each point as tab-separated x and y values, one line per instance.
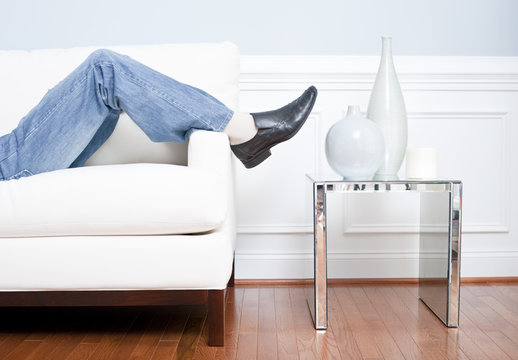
122	349
37	335
4	337
478	311
488	346
22	351
82	351
363	304
203	350
306	335
149	340
286	336
495	331
176	324
394	325
234	306
513	286
68	343
364	340
451	348
446	339
502	306
381	335
115	328
311	343
191	335
247	342
467	349
511	291
340	327
11	342
491	322
63	333
267	328
165	350
409	317
505	343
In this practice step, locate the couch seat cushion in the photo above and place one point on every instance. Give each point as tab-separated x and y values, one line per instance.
131	199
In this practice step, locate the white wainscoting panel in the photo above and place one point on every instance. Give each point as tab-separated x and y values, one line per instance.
466	107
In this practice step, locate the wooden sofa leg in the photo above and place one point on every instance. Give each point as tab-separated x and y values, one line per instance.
216	317
231	280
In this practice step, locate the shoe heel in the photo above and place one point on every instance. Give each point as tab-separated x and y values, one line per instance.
258	159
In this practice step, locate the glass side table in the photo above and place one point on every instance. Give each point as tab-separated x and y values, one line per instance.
439	241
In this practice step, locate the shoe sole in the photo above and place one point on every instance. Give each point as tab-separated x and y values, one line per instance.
259	158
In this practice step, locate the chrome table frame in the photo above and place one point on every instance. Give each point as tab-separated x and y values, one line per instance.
445	305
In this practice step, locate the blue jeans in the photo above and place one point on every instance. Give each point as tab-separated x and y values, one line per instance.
77	116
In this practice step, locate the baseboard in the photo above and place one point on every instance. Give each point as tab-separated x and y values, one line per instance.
367	265
480	280
368	281
330	282
272	282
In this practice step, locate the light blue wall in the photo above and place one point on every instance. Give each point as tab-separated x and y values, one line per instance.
418	27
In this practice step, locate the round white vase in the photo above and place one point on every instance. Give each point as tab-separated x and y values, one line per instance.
355	146
387	109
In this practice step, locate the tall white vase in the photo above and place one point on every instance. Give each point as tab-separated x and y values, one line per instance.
387	109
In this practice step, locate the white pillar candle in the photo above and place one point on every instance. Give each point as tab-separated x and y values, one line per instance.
421	163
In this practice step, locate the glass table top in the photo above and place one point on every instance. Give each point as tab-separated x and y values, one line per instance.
335	178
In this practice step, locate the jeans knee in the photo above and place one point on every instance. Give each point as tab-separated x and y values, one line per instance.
101	55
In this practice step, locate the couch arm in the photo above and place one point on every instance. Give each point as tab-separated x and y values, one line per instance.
210	150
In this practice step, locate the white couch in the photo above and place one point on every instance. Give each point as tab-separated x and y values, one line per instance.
142	218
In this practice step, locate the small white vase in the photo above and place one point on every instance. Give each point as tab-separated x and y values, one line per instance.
355	146
387	109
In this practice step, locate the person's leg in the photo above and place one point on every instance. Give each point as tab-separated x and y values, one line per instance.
74	118
240	128
77	116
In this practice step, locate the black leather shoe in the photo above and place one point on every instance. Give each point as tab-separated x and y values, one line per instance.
275	127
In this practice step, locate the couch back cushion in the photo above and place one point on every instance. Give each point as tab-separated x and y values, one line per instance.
25	77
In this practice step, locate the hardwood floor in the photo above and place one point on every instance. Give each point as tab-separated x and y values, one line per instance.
365	322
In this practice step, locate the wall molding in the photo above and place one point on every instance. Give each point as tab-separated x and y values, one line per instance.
350	228
357	73
376	228
276	229
501	226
